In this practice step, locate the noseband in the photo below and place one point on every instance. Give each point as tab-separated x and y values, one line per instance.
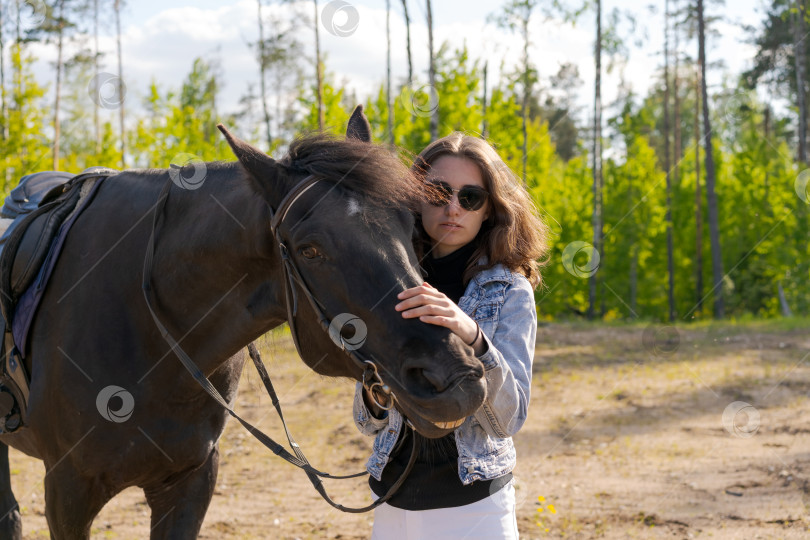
371	379
380	392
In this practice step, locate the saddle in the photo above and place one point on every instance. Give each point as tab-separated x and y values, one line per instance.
37	215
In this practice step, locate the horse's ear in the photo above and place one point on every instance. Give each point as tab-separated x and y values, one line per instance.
261	166
248	155
358	127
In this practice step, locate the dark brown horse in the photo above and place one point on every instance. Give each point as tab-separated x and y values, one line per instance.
111	406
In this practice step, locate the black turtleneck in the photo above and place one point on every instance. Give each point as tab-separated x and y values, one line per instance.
434	481
445	273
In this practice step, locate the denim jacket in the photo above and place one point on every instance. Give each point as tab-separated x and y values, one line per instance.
502	303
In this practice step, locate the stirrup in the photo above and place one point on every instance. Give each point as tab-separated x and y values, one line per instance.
13	392
10	415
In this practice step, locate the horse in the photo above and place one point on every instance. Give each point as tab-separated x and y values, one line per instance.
110	406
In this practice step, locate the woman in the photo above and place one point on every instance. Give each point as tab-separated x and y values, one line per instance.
481	239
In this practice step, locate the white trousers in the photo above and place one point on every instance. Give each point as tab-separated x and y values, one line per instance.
492	518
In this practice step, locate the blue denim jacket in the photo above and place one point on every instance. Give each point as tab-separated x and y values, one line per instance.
502	303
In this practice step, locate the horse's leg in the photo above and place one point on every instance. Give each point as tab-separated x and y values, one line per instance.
72	501
179	503
10	519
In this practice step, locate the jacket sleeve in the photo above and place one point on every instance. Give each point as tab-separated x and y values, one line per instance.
363	419
508	363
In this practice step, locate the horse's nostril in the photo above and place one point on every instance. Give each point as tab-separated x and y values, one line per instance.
425	379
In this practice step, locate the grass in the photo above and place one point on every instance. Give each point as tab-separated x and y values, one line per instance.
745	323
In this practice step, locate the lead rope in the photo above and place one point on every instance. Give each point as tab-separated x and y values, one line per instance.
299	460
268	385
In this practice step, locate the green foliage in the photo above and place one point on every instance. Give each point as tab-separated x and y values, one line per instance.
26	148
336	109
458	86
763	221
761	208
635	275
183	122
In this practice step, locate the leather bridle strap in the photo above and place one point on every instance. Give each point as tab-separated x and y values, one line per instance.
268	385
189	364
289	199
299	460
371	378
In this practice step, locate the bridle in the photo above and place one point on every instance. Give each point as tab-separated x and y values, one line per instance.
371	379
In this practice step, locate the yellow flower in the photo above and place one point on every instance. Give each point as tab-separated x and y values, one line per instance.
541	498
551	509
540	509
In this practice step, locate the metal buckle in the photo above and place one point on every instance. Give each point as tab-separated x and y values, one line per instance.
375	387
386	391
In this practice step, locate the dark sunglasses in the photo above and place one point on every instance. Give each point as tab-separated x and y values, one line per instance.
470	198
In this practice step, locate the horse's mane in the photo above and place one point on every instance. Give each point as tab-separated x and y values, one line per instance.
364	168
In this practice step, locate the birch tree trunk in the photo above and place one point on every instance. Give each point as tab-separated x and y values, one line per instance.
484	126
96	119
17	22
597	159
121	113
801	83
676	91
388	95
786	312
17	82
408	40
698	201
268	134
667	166
434	98
318	72
60	8
524	107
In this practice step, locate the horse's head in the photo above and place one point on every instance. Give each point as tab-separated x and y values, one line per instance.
349	240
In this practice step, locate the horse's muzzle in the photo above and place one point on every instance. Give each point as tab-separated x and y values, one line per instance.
441	389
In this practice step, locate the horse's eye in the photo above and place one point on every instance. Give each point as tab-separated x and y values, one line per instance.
309	252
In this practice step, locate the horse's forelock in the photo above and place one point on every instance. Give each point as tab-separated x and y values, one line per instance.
370	170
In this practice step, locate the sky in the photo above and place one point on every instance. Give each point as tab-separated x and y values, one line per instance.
162	38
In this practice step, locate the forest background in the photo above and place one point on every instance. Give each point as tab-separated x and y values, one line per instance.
681	201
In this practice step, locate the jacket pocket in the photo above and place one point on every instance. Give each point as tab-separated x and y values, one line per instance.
486	311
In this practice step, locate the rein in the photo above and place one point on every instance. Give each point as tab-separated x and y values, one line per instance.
371	378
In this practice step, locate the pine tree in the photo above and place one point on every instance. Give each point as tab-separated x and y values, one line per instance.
711	195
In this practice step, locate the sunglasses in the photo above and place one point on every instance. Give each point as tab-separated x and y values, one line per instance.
470	198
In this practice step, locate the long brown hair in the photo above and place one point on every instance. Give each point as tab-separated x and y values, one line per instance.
514	234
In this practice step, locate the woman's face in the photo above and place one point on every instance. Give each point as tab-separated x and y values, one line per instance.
451	226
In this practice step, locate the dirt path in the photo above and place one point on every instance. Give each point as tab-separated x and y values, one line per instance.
634	432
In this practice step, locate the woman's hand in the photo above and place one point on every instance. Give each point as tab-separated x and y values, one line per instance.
433	307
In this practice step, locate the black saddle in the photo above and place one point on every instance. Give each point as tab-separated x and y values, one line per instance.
33	190
40	207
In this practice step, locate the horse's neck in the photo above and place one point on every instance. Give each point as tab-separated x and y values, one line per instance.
213	286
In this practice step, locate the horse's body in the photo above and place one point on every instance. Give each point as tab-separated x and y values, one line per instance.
217	284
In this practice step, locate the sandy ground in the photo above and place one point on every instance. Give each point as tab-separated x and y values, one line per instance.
633	432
